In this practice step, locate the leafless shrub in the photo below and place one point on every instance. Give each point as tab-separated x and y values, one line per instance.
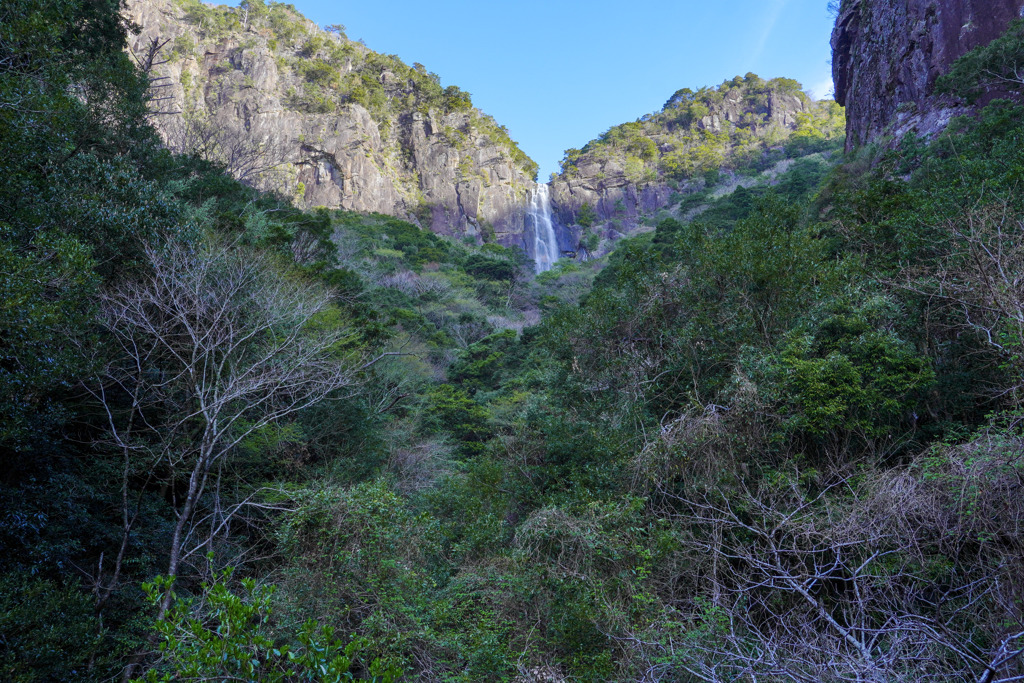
306	248
213	348
691	439
349	248
226	142
979	284
894	577
410	283
540	674
529	318
419	465
702	444
562	540
467	330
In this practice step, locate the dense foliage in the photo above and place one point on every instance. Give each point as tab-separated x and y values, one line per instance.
780	440
128	272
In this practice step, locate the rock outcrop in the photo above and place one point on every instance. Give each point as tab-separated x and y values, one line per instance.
698	139
291	108
887	54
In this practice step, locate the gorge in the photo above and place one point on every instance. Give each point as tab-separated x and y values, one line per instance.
289	107
305	378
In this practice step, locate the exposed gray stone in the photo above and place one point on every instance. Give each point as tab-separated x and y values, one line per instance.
234	87
621	202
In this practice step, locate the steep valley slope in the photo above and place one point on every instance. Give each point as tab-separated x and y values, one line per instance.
245	440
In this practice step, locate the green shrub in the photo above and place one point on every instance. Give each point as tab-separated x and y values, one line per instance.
227	636
50	632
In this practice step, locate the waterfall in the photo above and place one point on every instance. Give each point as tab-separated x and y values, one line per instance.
545	243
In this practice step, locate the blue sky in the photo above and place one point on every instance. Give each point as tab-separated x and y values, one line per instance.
560	73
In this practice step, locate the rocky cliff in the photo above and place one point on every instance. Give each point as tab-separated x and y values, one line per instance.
887	54
714	137
293	108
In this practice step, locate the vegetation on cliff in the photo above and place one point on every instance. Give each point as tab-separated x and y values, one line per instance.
780	441
746	123
746	135
333	71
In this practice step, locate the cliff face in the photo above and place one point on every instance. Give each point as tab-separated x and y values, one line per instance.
886	55
291	108
699	139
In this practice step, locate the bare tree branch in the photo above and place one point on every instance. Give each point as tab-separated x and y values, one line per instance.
215	347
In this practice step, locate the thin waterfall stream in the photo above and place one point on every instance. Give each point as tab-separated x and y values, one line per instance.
545	242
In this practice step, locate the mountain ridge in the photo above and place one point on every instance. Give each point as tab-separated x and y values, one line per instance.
702	141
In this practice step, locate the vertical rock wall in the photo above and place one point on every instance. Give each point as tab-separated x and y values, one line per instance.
601	178
446	171
886	55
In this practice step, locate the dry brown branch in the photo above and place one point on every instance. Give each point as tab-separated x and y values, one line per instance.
833	586
226	142
979	284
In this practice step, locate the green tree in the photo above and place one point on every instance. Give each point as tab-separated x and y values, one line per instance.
50	631
253	11
586	216
450	409
456	99
993	66
45	306
228	636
